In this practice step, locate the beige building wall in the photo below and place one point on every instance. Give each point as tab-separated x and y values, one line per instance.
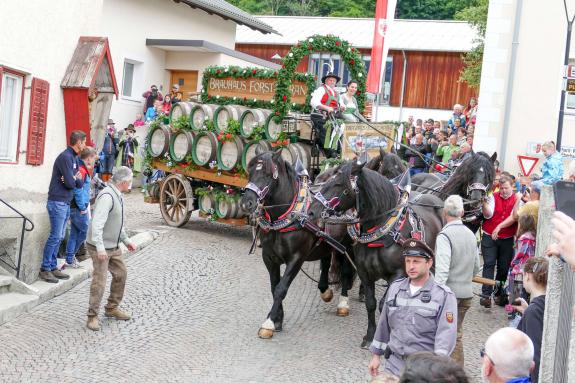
43	50
531	102
154	19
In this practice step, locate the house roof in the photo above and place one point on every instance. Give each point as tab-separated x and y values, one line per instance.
414	35
207	46
91	66
229	12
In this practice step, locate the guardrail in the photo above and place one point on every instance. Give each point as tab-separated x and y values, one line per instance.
7	259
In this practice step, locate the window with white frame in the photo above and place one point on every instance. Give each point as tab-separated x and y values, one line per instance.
10	111
131	78
386	82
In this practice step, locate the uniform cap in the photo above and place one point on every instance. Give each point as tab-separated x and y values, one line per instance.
415	248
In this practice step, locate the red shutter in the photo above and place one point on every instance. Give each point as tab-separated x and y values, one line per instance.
37	122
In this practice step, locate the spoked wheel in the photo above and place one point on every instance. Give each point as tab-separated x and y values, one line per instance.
176	200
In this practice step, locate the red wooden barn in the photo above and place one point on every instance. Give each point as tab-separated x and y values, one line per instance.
89	87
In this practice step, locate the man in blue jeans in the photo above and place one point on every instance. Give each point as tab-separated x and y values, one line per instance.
66	177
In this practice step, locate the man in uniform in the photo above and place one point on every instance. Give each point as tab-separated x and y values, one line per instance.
325	99
418	314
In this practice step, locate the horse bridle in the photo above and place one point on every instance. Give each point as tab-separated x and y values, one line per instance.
263	192
329	212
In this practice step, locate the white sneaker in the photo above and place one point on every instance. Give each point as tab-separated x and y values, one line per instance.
75	264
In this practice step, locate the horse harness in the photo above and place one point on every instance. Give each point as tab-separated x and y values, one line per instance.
384	235
295	218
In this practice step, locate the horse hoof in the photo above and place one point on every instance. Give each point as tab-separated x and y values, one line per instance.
342	312
327	295
278	327
265	333
365	344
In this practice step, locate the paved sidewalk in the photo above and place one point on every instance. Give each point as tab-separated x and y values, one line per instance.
197	301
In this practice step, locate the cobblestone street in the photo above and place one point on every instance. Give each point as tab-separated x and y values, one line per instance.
197	301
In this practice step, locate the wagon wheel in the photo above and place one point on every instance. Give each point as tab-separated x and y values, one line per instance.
176	200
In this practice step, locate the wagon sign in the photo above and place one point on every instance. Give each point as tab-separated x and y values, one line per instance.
369	138
261	89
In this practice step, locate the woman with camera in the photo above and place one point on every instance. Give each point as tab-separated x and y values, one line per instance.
535	283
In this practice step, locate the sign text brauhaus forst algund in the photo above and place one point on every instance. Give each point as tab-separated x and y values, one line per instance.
253	88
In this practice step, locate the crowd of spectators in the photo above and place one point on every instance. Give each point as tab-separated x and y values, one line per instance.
443	145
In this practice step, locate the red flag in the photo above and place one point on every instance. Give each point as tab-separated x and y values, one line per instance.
379	49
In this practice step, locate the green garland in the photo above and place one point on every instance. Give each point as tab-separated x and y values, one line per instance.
318	43
215	71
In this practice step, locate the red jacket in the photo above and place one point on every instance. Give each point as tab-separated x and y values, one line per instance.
503	209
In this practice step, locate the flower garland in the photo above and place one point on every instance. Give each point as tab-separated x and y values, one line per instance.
257	73
318	43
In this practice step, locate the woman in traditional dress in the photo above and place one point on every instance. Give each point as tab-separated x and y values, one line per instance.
349	101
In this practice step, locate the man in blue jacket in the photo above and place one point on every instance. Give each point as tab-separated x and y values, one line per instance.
66	177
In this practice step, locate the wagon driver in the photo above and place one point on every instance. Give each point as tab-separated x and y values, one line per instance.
325	99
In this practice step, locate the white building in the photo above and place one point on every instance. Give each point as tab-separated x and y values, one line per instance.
151	42
521	81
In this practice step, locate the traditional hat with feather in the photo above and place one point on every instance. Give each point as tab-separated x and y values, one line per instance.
330	72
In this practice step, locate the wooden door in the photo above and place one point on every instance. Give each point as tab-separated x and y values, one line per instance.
187	80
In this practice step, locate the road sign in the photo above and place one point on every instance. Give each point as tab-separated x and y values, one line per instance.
527	164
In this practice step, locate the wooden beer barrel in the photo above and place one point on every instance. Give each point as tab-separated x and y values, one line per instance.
181	145
204	148
207	203
252	149
291	152
229	209
230	153
158	141
252	118
200	113
225	113
272	129
181	109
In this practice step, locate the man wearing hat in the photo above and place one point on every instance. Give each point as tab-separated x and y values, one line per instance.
128	151
418	314
108	153
324	100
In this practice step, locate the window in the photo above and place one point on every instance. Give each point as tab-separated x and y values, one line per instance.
319	64
386	83
11	88
132	77
128	79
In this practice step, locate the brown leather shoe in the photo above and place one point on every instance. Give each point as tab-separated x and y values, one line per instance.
117	313
93	323
60	275
48	277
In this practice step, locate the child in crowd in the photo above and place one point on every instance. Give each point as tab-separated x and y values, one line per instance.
525	249
151	113
167	105
80	208
139	120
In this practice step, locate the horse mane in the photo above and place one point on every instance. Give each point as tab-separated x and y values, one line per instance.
376	194
457	183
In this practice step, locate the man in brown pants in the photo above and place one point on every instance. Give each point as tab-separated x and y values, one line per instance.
104	236
456	262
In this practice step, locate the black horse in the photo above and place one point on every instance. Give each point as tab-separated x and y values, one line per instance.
379	206
387	164
472	180
274	188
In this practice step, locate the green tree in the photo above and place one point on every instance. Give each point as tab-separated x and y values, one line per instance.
476	15
430	9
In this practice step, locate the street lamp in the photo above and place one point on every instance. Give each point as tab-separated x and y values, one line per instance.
566	63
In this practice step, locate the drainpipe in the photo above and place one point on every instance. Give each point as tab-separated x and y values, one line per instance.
509	96
401	130
402	84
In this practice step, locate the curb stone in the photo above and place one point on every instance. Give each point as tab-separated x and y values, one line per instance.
25	297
